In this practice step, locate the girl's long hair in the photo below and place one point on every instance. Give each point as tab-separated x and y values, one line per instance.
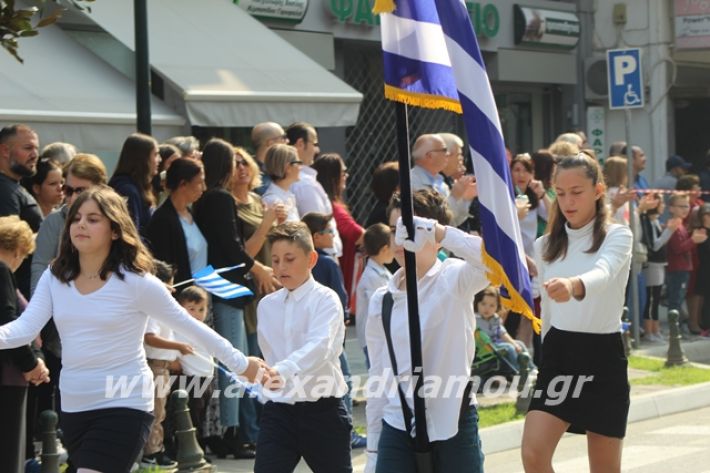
557	242
134	161
127	251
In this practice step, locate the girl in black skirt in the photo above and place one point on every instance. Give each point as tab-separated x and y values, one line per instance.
100	292
583	264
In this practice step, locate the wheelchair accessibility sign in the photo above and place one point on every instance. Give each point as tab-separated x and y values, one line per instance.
625	79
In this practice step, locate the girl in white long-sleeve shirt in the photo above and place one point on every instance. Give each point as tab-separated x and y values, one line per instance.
446	291
583	265
100	293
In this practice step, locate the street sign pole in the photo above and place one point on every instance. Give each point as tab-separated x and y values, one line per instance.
626	92
635	312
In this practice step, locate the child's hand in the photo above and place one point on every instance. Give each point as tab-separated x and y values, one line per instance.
559	289
674	223
186	349
699	235
274	382
257	370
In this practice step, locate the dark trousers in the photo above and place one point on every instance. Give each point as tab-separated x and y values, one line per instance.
461	453
13	404
318	432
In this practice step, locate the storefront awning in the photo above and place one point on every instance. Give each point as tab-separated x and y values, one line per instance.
230	70
68	94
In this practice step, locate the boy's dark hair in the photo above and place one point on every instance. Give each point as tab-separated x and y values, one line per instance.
294	232
316	222
376	237
192	294
427	203
163	271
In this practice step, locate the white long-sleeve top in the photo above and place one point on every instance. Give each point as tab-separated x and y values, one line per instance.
604	274
311	197
374	276
301	335
447	323
102	338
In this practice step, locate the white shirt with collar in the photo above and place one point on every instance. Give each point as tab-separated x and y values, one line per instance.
374	276
276	195
301	335
311	197
604	274
422	179
447	321
162	331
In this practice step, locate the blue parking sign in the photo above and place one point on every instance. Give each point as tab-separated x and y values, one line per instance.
625	78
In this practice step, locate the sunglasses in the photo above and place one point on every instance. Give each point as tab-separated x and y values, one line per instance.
242	163
69	190
295	162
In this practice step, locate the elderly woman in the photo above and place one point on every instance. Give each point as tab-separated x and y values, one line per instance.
284	168
19	366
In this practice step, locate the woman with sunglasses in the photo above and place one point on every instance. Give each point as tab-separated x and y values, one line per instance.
46	185
284	168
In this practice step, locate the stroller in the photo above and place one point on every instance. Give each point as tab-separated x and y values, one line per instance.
490	361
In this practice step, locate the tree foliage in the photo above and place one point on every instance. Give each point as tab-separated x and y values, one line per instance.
24	22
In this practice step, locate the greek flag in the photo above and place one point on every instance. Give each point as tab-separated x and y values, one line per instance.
209	280
432	60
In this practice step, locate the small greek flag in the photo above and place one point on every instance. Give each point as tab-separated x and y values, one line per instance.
209	279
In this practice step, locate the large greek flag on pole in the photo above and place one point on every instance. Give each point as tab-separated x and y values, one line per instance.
432	60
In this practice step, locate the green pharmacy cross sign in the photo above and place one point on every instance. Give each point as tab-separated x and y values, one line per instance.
485	18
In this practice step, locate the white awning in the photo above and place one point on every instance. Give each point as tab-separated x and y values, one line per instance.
229	69
68	94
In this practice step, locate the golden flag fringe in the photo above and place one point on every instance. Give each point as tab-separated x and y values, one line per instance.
496	275
417	99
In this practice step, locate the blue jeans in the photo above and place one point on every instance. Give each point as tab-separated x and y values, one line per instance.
511	354
229	322
676	285
461	453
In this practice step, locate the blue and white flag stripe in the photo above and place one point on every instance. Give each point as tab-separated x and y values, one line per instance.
461	58
209	280
417	66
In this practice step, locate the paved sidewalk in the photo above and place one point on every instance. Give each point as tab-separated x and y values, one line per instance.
647	401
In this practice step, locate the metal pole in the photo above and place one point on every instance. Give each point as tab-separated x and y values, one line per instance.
410	267
635	313
143	114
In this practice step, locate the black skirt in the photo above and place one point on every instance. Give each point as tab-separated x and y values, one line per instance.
105	440
583	380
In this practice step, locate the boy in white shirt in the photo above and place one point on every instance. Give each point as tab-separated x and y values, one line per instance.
160	350
376	242
445	293
301	333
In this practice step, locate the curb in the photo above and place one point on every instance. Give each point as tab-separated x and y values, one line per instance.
509	436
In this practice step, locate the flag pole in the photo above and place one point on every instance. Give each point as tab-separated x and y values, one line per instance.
421	440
